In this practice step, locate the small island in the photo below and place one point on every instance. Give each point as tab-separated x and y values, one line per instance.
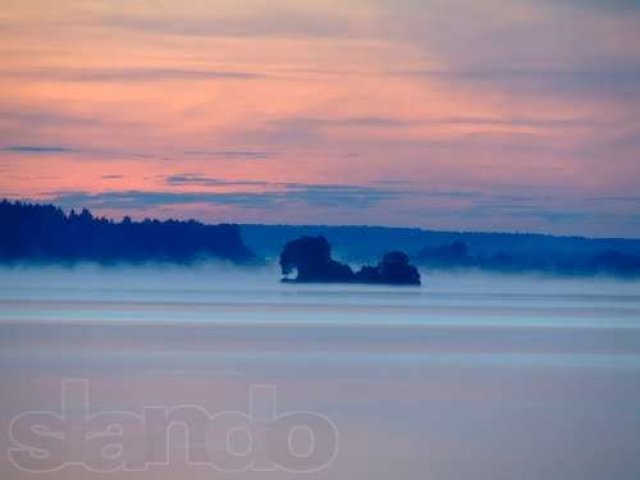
310	258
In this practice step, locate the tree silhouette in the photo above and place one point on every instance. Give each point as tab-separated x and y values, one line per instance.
310	258
32	232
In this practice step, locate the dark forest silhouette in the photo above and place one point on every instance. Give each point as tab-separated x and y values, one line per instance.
32	232
310	258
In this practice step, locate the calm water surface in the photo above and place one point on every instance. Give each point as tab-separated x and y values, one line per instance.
468	377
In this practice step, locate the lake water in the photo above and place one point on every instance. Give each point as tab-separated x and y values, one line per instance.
468	377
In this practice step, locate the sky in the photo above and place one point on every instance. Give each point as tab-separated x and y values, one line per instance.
493	115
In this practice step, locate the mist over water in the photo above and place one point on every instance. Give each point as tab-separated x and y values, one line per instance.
468	376
216	293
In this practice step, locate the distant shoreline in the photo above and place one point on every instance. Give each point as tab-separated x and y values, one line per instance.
45	234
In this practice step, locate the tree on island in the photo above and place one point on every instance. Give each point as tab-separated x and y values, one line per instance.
310	258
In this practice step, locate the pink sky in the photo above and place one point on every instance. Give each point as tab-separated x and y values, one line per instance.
458	114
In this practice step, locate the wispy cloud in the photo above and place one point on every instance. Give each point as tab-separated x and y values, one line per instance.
87	152
44	149
182	179
572	81
325	196
387	187
129	74
624	7
389	122
274	21
234	154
